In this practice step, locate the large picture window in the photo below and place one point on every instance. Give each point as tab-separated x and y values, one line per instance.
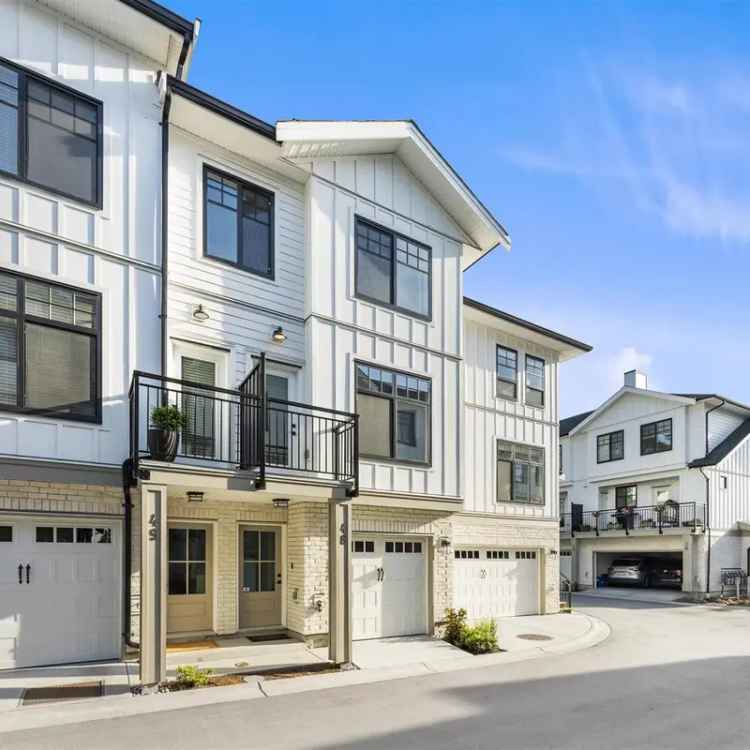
50	135
393	270
238	223
507	372
520	473
534	381
656	437
394	414
49	349
610	447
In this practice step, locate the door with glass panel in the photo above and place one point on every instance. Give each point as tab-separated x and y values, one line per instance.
278	427
200	435
260	576
189	579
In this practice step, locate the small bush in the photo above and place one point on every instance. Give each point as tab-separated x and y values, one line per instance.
481	638
193	676
455	626
168	418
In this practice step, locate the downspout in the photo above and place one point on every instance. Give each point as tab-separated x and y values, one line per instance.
127	473
164	221
708	503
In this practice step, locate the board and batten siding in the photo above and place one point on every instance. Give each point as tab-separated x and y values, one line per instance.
342	329
489	419
243	308
114	251
733	503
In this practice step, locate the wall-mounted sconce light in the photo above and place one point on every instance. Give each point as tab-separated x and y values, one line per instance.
445	541
194	496
280	502
278	335
553	553
200	314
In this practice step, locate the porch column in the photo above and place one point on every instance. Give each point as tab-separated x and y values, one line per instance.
153	633
340	581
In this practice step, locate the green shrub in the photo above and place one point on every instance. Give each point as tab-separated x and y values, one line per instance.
481	638
168	418
193	676
455	626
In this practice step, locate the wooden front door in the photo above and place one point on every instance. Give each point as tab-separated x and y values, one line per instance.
260	576
189	579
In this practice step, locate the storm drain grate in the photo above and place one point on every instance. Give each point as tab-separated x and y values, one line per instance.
535	637
59	693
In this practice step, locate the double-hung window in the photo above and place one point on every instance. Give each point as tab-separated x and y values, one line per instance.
238	223
656	437
50	135
610	447
520	473
49	349
507	372
394	414
534	381
393	270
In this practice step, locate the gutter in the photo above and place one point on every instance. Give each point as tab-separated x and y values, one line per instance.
708	503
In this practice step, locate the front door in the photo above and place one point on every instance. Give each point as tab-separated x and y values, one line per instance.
189	579
260	576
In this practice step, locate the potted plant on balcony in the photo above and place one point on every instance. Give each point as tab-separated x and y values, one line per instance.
164	433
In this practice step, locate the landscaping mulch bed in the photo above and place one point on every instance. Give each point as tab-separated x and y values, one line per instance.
733	601
219	680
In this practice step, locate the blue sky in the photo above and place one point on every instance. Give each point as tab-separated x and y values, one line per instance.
610	138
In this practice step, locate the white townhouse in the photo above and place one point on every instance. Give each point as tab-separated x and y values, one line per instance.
657	475
306	428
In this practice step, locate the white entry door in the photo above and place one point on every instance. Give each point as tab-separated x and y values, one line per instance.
389	587
491	583
59	591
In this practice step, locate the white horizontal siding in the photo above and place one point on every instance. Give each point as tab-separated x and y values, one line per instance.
721	424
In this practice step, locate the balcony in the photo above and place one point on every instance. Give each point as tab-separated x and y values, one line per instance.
632	520
244	430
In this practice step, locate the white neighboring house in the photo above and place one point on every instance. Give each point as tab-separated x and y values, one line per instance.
657	475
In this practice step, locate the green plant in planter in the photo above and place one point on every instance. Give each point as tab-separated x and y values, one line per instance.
455	626
482	638
164	435
192	676
168	418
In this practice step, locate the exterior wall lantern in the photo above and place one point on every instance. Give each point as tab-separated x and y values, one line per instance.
278	335
200	314
194	496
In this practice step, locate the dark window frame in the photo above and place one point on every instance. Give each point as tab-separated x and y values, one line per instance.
22	317
246	185
394	271
622	488
24	74
531	465
609	436
514	397
656	425
393	398
532	388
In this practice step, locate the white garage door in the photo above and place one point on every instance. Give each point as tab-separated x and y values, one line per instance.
59	591
492	583
389	587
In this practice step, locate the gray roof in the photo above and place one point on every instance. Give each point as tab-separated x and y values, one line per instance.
569	423
724	448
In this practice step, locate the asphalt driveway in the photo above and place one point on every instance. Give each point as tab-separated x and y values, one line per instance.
667	677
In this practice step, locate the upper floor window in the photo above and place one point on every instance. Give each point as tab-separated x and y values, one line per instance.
238	223
520	473
507	372
394	414
610	447
50	135
49	349
626	497
534	381
393	270
656	437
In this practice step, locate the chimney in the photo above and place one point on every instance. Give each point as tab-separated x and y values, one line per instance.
636	379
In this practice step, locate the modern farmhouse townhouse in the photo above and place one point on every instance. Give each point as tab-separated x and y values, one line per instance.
242	391
654	490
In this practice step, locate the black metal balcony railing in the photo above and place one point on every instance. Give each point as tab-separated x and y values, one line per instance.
246	429
670	515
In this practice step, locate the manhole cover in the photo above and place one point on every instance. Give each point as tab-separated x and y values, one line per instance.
56	693
535	637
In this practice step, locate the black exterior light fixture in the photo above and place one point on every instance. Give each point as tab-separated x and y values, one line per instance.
278	335
200	314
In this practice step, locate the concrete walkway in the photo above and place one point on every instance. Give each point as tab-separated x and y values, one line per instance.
387	659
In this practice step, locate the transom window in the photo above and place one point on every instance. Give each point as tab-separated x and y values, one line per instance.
466	554
393	270
6	533
405	548
395	413
534	381
525	554
498	554
656	437
49	349
626	497
50	135
507	372
363	545
520	473
187	561
610	447
71	535
238	223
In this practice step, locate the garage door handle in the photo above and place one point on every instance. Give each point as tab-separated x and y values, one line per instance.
28	572
20	573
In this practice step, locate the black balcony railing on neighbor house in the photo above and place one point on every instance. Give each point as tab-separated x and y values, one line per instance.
669	515
245	429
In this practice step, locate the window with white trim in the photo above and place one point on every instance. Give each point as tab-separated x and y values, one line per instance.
520	473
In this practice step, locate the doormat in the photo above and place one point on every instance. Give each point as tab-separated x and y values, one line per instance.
261	637
192	646
535	637
58	693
